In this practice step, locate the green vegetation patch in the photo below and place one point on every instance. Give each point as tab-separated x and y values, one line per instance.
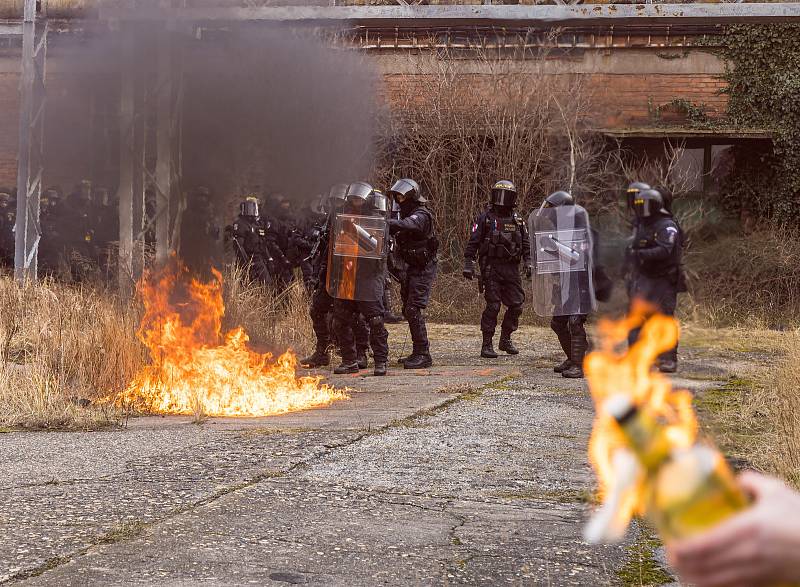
642	567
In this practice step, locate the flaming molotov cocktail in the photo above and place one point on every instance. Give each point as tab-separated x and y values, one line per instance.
644	445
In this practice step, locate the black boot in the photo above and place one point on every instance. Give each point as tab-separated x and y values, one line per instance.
668	366
362	360
418	361
487	350
668	362
572	372
578	346
506	344
319	358
380	368
402	360
346	368
563	366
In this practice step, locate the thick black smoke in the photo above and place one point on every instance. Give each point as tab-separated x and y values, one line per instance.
264	109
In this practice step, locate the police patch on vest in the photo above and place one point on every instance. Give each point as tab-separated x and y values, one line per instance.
510	227
672	232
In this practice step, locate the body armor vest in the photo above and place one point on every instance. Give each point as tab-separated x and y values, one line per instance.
648	235
418	250
503	240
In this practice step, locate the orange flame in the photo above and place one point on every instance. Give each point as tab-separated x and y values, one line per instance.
611	371
195	369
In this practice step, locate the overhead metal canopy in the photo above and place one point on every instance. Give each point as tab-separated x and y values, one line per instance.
456	15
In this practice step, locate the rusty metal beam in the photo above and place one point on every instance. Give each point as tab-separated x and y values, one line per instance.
459	15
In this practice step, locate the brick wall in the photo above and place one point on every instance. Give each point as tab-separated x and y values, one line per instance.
9	129
626	100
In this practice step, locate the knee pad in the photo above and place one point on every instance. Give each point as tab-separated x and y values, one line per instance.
493	307
411	313
515	310
575	324
375	322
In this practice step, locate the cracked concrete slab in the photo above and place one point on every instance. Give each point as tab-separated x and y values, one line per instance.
64	492
407	482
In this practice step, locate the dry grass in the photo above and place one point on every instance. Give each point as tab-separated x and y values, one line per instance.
748	280
274	320
779	400
62	346
65	346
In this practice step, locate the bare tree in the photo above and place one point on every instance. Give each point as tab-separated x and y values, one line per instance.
491	116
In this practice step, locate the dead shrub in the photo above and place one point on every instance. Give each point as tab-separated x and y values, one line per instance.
750	280
457	144
274	320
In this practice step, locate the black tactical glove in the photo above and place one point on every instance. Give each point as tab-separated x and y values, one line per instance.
528	271
469	269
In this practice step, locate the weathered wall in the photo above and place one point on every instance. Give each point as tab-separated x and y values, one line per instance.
9	120
624	86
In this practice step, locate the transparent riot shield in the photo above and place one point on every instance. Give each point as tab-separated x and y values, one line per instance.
561	249
357	258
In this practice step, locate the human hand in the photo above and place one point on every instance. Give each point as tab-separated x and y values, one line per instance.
469	269
760	546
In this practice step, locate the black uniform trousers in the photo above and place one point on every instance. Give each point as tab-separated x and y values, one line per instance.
321	307
571	333
345	317
661	292
502	284
415	292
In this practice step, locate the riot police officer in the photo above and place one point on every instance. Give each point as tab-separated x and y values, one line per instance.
655	263
79	226
416	246
199	232
567	281
50	220
321	300
248	234
356	274
8	214
499	238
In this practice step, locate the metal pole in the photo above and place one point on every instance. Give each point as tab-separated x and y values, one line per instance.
163	187
31	161
126	165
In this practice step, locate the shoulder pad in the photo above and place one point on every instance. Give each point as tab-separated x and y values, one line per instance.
667	234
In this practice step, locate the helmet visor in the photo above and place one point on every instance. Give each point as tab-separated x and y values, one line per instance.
504	198
642	207
249	207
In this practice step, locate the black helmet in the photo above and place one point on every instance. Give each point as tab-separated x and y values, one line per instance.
249	207
318	204
666	195
379	202
648	203
556	199
504	193
408	188
633	189
338	192
359	191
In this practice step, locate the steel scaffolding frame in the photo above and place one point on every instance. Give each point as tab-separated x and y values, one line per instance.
31	145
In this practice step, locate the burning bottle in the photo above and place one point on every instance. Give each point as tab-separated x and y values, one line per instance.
686	490
644	444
